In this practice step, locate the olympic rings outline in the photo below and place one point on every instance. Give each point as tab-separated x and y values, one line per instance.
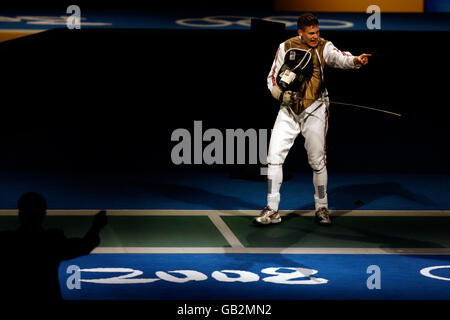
427	272
217	21
222	21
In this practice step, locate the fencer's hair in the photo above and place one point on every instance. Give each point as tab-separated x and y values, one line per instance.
305	20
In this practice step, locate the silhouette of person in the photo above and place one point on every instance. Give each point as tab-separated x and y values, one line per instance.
31	255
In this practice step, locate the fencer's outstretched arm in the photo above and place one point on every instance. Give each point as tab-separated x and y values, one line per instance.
362	59
336	58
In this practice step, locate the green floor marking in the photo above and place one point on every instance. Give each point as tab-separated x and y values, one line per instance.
345	232
138	231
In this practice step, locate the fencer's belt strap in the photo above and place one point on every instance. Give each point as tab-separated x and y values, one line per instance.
280	98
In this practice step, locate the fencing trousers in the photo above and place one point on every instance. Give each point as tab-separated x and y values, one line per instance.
312	123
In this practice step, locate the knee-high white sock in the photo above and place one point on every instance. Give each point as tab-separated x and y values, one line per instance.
274	180
320	180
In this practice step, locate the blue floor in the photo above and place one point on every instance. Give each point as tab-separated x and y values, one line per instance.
336	277
207	190
330	277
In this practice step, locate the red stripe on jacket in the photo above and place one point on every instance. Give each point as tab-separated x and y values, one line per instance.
274	82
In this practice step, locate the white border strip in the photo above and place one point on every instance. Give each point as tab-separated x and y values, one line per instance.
165	212
222	250
225	231
236	245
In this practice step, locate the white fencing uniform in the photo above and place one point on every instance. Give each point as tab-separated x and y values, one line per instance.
309	117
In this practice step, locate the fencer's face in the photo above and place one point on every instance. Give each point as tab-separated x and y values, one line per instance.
310	35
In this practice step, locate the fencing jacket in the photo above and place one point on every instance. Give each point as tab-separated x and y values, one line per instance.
325	54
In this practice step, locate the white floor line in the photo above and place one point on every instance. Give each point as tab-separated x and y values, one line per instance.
223	250
165	212
225	231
